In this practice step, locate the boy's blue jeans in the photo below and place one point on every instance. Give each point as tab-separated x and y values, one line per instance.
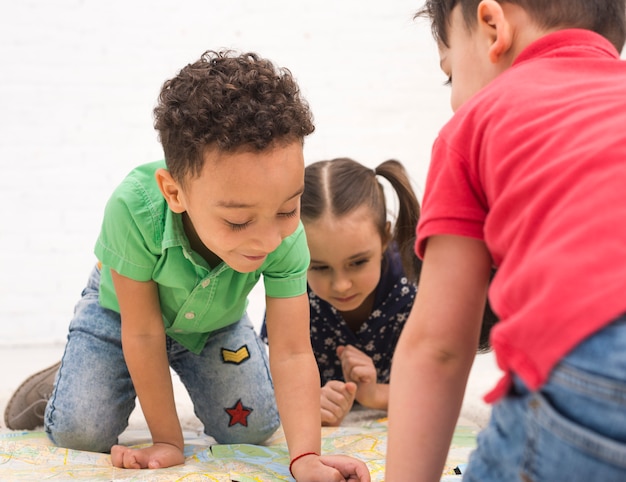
572	429
93	395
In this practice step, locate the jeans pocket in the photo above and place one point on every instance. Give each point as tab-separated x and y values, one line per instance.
562	448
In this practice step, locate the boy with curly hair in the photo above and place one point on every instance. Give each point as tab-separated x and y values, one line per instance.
182	244
529	175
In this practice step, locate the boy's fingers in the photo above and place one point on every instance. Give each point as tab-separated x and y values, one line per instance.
124	458
350	468
117	456
130	461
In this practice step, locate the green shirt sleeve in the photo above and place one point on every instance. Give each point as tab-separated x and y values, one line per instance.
285	276
129	241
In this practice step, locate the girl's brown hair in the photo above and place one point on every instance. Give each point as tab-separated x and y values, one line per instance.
340	186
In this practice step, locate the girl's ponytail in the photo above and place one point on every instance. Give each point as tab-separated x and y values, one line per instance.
408	215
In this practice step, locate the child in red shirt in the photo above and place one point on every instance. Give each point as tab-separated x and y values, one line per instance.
528	176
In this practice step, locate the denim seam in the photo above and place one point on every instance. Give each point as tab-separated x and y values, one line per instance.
576	380
601	448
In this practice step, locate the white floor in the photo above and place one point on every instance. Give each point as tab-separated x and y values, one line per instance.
21	362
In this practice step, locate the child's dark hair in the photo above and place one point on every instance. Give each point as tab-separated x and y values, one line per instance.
228	102
340	186
489	321
605	17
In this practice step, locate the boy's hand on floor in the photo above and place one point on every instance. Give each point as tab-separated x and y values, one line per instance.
157	456
336	400
332	468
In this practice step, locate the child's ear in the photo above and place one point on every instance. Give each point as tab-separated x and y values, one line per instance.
170	189
494	24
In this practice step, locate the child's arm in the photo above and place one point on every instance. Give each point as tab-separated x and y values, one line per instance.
297	388
143	343
434	356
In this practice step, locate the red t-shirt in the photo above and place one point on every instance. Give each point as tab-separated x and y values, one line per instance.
535	165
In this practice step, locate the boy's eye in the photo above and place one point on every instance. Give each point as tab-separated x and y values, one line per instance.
237	227
242	226
449	81
290	214
318	268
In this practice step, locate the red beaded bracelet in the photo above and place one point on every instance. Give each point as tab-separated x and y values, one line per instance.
298	458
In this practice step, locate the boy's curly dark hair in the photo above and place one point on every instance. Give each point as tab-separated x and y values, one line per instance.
605	17
228	101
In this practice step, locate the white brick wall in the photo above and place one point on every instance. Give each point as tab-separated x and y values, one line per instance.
79	79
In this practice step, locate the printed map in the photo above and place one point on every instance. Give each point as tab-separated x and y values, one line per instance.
30	456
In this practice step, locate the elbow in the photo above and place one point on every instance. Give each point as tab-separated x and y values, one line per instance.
429	354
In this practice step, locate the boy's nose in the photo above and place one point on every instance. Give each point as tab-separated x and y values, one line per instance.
269	238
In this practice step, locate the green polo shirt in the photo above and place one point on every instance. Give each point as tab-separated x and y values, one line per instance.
142	239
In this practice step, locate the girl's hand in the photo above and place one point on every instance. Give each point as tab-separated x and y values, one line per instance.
331	468
336	400
359	368
157	456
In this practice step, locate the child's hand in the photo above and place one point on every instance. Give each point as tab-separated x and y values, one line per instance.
157	456
334	468
356	365
336	400
359	368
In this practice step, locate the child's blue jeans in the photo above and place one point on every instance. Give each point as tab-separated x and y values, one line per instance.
572	429
93	395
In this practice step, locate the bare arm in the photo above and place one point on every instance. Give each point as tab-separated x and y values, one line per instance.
143	343
294	371
434	356
297	388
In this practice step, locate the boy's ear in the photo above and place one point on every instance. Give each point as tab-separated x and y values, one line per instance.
494	24
170	189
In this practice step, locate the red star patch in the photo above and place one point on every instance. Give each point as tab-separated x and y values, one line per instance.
238	414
